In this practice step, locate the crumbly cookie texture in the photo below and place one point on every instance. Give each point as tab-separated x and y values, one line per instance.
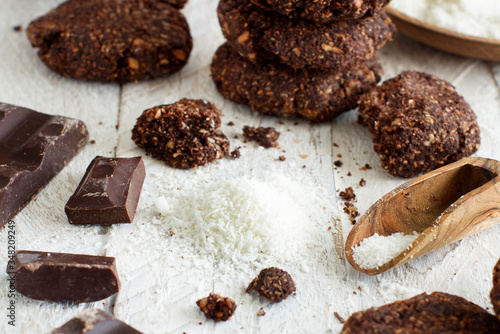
437	312
176	3
418	122
273	283
324	11
185	134
112	40
261	35
265	137
216	307
495	292
275	89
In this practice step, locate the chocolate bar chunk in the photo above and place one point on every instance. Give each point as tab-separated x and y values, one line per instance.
34	147
108	193
95	321
65	277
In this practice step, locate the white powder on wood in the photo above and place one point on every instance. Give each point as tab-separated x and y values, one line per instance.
479	18
241	220
377	250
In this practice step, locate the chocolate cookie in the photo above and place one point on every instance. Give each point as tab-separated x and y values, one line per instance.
112	40
275	89
430	314
185	134
324	10
273	283
495	292
418	122
261	35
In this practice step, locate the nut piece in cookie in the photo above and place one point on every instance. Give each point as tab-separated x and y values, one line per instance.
495	292
435	313
324	11
260	35
185	134
275	89
418	123
273	283
112	40
265	137
217	307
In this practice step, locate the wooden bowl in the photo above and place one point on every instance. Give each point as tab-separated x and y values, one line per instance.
446	40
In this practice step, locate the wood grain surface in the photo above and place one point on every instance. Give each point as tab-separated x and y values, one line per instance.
162	277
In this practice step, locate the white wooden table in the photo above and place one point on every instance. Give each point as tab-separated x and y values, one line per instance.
161	279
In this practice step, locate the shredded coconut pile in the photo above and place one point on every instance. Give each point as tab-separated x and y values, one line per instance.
479	18
377	250
240	220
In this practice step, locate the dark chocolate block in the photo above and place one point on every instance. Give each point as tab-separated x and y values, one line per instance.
95	321
65	277
34	147
108	193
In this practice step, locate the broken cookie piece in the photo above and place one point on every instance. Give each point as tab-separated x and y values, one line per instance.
265	137
273	283
185	134
108	192
216	307
94	321
418	123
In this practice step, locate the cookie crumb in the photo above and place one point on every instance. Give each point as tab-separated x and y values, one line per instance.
362	182
235	154
217	307
352	211
17	28
339	317
92	141
335	145
230	123
366	167
273	283
282	158
338	163
348	194
265	137
261	312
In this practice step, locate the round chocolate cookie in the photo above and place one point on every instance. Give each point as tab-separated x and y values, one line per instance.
112	40
261	35
324	10
495	292
418	122
437	312
185	134
276	89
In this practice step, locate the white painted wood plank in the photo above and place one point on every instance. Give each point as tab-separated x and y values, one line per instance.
43	225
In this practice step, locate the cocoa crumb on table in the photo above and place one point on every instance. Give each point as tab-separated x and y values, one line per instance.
273	283
236	153
366	167
352	211
217	307
282	158
362	182
339	317
348	194
17	28
338	163
265	137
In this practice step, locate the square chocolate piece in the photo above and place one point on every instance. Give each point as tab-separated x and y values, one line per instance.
108	193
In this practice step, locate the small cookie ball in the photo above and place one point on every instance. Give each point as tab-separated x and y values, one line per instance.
273	283
265	137
185	134
217	307
418	123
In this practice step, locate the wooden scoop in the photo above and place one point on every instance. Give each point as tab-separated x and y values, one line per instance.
444	206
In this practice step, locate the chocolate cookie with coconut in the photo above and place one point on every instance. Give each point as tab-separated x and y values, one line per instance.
324	11
261	35
275	89
112	40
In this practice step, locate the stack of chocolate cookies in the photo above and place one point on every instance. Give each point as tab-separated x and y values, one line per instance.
311	58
